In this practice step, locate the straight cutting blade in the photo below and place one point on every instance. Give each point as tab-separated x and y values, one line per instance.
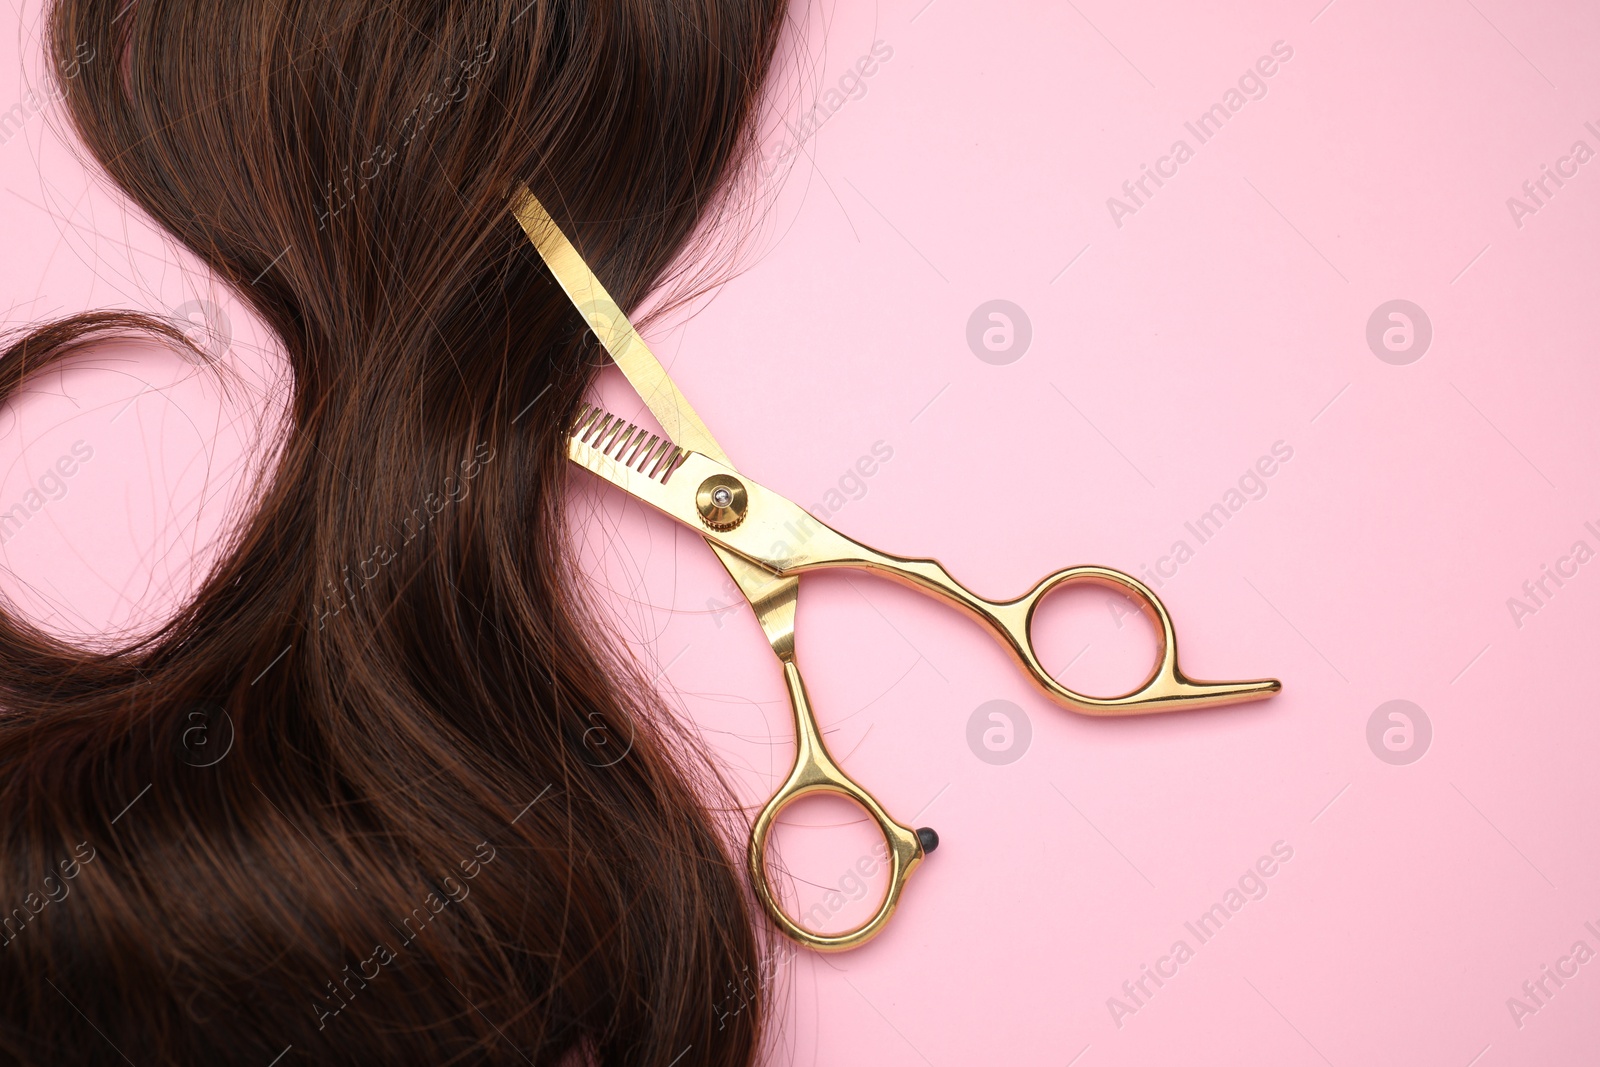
637	363
772	598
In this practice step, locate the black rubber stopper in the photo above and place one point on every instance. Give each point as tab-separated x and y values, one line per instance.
928	837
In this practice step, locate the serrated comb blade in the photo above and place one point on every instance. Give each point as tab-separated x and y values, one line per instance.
597	434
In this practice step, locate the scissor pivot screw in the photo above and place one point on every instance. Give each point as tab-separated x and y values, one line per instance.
722	500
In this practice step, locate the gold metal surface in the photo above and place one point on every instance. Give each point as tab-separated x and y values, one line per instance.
766	542
634	459
721	501
783	538
815	772
632	356
772	598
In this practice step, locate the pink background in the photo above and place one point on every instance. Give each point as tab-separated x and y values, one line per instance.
1228	313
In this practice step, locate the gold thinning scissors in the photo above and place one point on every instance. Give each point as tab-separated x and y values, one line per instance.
766	542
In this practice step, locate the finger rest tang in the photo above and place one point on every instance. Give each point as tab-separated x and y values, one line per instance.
1165	688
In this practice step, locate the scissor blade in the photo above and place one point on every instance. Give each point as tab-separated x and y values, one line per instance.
641	467
776	534
772	598
642	464
637	363
638	462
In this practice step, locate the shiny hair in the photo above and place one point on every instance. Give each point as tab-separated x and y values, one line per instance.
414	850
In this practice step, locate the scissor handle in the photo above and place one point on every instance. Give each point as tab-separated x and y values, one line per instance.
815	772
1165	688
